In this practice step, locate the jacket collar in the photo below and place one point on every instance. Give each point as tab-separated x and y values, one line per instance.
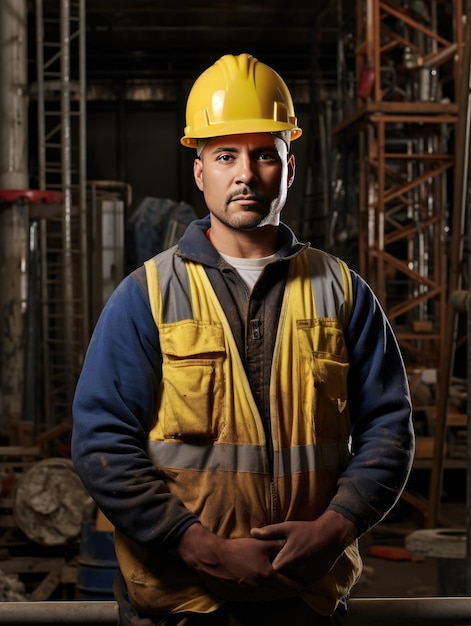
195	246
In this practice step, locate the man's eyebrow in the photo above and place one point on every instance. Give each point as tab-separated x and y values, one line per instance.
225	149
253	151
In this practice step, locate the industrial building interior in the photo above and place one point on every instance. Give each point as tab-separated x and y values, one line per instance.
94	181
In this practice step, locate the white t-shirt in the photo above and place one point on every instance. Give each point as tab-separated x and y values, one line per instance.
249	269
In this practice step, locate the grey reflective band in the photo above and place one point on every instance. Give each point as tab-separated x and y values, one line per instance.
327	287
174	287
308	458
226	457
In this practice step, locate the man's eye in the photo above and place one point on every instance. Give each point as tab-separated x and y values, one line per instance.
266	156
225	157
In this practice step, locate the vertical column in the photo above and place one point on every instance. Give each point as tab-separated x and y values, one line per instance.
13	299
13	97
13	215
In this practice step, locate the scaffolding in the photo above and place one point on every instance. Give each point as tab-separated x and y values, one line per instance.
408	64
61	109
409	130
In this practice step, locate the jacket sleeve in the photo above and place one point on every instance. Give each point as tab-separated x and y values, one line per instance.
113	403
382	439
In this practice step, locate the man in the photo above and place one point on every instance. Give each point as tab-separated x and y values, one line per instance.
243	413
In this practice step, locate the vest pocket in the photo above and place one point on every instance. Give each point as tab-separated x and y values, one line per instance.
192	379
187	398
329	405
323	381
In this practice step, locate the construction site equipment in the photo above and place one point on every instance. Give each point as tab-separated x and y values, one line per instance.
410	131
14	216
48	502
461	224
448	547
13	95
108	203
408	63
19	290
61	99
97	564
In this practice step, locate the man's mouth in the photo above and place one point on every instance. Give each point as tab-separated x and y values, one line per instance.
248	199
245	199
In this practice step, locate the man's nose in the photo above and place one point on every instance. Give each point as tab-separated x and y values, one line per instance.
246	171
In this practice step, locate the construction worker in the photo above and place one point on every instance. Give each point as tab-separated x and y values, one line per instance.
243	413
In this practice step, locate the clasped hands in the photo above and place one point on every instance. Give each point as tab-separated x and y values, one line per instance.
276	561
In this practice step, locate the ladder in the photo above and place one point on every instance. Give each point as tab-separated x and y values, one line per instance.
61	118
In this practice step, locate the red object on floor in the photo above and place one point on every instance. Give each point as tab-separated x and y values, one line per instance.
392	553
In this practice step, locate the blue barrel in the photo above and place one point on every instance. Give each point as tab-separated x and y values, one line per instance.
97	564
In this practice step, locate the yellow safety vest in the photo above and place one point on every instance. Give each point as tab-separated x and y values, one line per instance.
207	437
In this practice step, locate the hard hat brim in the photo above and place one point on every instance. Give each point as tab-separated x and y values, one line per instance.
251	126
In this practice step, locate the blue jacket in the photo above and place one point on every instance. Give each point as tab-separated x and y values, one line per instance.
116	395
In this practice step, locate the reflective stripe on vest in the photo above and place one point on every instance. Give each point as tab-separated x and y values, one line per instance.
244	458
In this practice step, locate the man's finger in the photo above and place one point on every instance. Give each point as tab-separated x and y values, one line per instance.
272	532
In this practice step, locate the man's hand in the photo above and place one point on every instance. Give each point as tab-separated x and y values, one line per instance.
236	569
310	548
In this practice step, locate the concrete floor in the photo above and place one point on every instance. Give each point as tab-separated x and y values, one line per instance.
417	577
384	578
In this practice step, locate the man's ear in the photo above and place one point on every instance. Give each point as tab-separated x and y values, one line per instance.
291	169
198	173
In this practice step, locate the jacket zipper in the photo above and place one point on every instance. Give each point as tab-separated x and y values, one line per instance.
255	332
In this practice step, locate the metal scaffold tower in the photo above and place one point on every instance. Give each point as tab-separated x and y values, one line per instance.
408	131
61	108
408	65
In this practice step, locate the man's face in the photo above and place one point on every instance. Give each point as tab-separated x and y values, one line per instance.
245	179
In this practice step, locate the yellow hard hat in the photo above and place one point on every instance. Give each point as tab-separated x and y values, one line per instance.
238	94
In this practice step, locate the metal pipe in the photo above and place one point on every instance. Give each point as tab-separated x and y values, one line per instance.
408	611
461	302
443	611
66	158
40	95
82	98
14	225
13	95
46	352
73	612
32	329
